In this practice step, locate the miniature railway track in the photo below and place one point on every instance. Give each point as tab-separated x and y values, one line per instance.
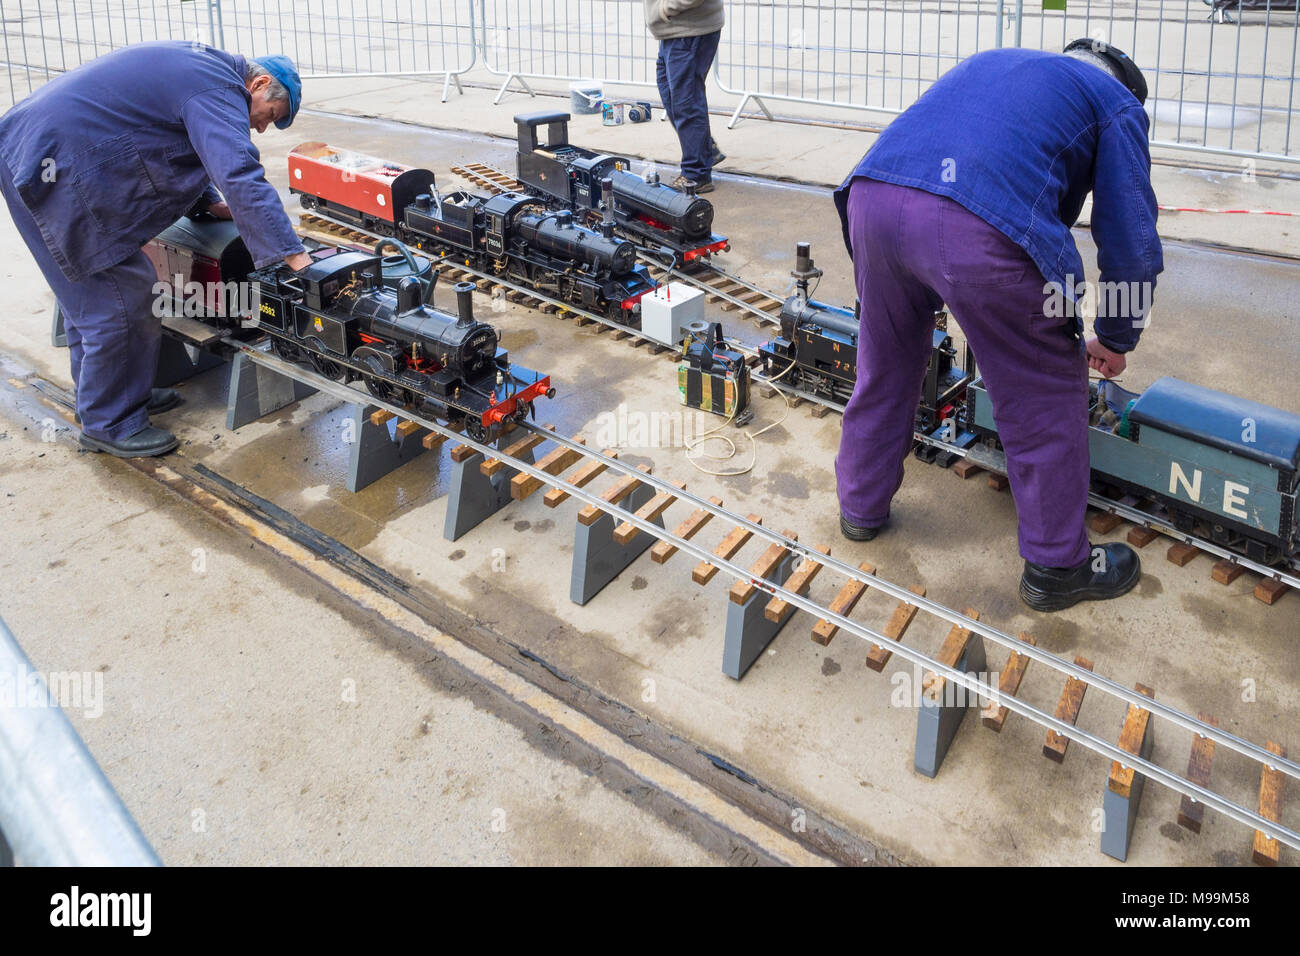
730	292
570	470
1145	525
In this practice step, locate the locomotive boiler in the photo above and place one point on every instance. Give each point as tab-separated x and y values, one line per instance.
644	210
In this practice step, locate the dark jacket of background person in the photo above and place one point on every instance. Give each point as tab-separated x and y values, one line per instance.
683	18
107	156
1020	137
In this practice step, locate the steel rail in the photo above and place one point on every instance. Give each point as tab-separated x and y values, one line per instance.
1068	668
973	684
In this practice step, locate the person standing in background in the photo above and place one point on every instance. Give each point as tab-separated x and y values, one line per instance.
688	32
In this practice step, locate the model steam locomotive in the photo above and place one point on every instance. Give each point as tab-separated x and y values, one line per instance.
817	352
591	184
509	235
1223	467
338	316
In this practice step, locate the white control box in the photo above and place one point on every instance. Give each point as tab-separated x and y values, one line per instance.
666	312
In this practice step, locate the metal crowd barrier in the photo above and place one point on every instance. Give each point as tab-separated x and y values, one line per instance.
1219	84
1215	87
56	806
568	40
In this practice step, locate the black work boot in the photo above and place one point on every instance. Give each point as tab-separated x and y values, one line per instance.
145	443
1109	571
857	532
160	400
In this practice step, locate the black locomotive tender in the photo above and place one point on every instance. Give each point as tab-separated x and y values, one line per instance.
595	184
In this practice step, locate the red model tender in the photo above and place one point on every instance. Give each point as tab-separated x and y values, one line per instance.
354	187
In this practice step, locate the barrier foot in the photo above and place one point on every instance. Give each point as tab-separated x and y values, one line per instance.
597	557
1123	795
446	86
506	86
377	450
940	713
178	361
758	100
748	630
474	497
58	334
256	391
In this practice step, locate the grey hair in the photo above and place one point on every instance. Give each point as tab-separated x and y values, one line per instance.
1097	60
275	91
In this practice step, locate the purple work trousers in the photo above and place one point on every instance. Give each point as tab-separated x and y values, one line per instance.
912	252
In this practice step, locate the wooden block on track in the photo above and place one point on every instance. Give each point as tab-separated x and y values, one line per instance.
776	552
526	444
824	631
521	485
1192	812
615	493
626	532
949	655
895	628
664	550
1264	850
582	477
1225	571
798	582
1131	734
1270	590
965	469
733	542
999	482
994	716
1067	710
1103	522
462	453
1142	536
1182	554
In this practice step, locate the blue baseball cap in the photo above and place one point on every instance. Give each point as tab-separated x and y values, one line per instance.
282	68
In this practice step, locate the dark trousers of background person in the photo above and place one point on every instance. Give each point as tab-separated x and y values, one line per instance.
682	71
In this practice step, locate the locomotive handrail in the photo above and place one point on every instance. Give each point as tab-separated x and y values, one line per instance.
971	683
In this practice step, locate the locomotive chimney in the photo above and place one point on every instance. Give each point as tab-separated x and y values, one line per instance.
607	208
803	257
465	302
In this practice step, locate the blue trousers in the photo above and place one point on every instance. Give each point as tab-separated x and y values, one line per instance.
912	252
113	334
682	70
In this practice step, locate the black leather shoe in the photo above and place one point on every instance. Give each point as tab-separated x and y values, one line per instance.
855	532
145	443
160	400
719	157
1101	577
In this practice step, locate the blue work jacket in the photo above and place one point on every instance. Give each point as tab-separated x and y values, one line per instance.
109	154
1020	137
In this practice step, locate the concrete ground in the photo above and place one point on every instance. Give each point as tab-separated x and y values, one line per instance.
808	721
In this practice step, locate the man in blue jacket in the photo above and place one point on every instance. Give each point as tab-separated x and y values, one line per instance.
101	159
967	198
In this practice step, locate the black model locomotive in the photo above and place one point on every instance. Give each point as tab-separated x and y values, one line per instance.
514	236
337	316
589	183
817	352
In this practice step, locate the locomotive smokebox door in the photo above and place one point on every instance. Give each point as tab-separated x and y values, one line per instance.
713	377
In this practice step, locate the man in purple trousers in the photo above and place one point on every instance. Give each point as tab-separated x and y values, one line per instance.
967	199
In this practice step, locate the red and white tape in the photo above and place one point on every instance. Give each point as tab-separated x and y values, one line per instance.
1239	212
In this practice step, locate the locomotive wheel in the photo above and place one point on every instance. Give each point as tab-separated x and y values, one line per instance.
475	430
328	368
286	350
